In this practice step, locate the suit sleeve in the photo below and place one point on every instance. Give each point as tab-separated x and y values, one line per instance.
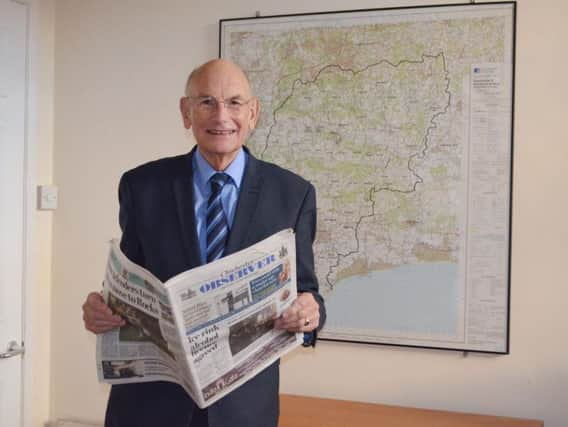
129	242
305	236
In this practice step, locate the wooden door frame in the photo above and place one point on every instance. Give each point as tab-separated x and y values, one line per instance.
36	358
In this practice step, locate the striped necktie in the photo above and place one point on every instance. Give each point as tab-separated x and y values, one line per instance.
217	227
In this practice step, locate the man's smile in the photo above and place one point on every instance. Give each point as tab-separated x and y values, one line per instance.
221	131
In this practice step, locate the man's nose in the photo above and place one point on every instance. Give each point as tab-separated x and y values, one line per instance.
221	109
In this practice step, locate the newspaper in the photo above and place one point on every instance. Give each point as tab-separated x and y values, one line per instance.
209	329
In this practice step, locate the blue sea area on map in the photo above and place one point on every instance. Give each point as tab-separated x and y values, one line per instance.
416	299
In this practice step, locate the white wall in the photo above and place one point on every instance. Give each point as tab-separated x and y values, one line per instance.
120	67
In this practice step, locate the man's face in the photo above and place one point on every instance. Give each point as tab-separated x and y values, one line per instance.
220	110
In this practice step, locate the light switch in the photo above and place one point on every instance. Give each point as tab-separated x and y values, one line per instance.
47	197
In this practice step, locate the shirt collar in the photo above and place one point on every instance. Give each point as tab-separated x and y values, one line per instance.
235	170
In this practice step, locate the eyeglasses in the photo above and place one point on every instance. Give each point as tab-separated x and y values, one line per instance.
208	104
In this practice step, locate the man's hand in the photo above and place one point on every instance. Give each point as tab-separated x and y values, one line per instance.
98	316
301	316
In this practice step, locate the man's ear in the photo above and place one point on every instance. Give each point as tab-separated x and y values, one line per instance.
254	113
185	111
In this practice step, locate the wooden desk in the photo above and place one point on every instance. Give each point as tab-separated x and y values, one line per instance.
302	411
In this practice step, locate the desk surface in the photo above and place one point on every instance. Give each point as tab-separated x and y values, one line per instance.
302	411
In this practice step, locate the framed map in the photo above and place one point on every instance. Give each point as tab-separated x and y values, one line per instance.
402	119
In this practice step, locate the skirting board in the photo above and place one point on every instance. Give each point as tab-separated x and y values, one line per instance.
73	422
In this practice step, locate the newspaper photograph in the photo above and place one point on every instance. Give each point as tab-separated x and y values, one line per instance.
209	329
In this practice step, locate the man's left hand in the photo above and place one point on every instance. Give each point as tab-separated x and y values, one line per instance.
301	316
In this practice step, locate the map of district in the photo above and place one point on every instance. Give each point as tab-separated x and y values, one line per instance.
374	110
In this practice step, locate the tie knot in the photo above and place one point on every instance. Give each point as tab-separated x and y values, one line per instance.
218	180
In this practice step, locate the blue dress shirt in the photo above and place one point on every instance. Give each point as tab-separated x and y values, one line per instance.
202	172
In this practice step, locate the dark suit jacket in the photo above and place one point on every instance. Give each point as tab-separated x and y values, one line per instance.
158	225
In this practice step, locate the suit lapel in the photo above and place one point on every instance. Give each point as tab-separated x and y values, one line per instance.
183	194
246	206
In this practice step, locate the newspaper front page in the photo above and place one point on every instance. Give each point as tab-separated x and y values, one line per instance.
209	329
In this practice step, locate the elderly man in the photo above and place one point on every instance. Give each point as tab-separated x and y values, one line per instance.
167	227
